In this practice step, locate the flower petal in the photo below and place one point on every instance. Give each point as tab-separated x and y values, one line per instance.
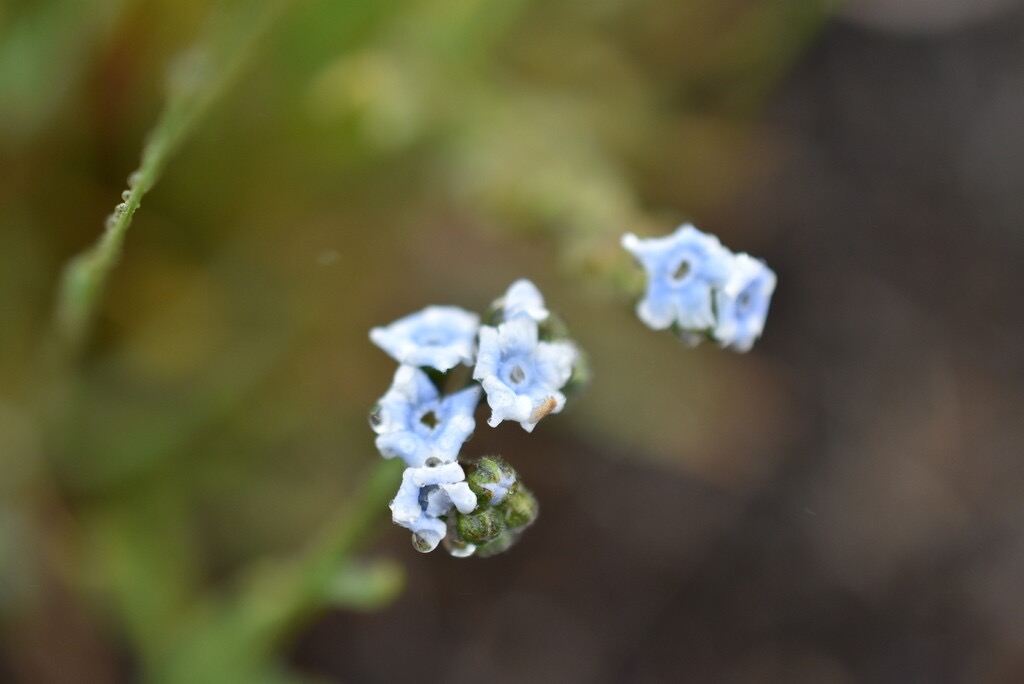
523	299
438	337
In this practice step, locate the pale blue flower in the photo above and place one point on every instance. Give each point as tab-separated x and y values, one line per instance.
682	269
521	375
427	493
523	299
438	337
742	303
500	488
414	423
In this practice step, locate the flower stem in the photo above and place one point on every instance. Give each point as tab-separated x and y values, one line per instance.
196	82
236	638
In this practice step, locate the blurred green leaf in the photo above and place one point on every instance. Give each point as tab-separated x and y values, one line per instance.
142	559
366	585
234	639
43	48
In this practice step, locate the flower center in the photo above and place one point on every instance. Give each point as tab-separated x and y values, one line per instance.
517	374
424	498
430	419
744	301
682	271
431	338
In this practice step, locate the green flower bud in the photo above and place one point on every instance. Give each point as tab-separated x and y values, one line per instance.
481	527
520	509
492	480
504	509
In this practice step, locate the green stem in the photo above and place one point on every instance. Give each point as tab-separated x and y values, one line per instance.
196	83
235	639
316	571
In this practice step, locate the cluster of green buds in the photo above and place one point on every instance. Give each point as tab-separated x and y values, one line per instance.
504	509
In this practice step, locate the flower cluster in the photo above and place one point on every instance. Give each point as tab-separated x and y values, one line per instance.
524	364
700	289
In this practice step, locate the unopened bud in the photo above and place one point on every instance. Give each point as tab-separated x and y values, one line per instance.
492	480
481	527
520	509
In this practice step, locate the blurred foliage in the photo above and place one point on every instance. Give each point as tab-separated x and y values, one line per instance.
362	159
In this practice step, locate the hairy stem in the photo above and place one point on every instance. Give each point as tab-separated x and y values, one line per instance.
196	82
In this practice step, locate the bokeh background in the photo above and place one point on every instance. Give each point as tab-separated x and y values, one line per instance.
843	504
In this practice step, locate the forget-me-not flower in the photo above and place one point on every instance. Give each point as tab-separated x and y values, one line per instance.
415	423
438	337
522	376
742	303
426	494
682	270
523	299
500	489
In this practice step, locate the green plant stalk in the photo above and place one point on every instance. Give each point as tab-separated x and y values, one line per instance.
311	576
235	640
196	82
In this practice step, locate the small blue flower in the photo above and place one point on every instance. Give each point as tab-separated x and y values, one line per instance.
742	303
427	493
521	375
415	423
438	337
682	269
500	488
523	299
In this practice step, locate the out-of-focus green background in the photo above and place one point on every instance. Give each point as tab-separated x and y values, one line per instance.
840	505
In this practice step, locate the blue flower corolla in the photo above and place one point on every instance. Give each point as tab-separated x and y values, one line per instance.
427	493
742	303
682	270
523	299
500	488
438	337
414	422
522	376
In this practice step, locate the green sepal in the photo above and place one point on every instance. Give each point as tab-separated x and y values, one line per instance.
482	527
